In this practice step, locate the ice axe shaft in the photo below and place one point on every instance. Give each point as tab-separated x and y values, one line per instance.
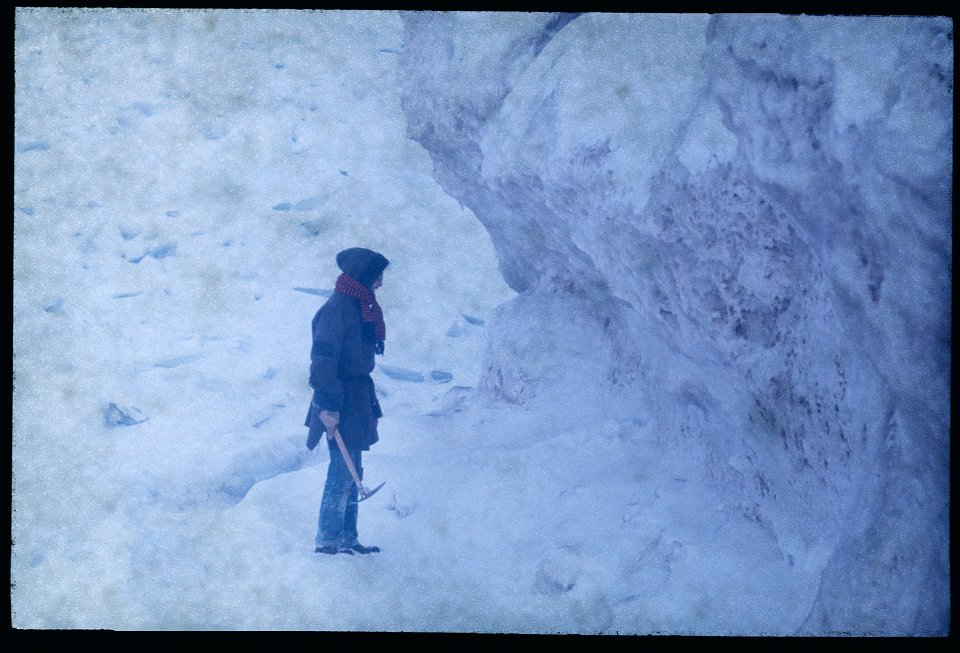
364	492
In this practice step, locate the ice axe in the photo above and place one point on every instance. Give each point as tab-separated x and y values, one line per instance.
364	492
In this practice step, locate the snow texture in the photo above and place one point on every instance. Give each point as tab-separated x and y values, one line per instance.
668	319
764	266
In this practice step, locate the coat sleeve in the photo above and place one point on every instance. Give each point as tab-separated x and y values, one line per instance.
328	333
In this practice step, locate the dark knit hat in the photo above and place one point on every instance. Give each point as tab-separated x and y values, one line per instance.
364	265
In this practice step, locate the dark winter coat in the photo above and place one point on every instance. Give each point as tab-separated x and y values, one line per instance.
341	361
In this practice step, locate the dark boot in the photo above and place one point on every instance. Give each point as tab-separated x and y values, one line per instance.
331	550
363	550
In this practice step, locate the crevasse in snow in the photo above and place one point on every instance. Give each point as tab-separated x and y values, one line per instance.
740	226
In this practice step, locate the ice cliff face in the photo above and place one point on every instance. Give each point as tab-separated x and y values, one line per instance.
739	228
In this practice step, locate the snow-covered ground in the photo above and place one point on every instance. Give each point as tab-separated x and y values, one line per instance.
575	452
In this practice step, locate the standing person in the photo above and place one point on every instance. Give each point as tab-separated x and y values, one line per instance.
347	331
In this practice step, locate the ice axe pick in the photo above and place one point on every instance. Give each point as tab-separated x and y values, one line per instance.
364	492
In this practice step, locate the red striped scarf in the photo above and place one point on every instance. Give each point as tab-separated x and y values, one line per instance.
370	311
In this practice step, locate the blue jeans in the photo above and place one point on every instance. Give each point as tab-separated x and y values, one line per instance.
337	525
